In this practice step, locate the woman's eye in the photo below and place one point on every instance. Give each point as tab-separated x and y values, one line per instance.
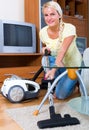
52	14
45	14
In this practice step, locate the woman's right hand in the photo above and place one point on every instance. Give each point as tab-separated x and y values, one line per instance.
45	48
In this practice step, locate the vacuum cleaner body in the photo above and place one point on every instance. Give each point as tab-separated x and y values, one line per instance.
16	89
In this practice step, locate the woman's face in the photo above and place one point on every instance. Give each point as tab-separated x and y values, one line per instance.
51	16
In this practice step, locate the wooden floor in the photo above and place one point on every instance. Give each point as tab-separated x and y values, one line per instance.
6	123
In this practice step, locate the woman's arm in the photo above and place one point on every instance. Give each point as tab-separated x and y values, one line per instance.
66	43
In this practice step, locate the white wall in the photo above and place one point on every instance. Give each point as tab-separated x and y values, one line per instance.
12	10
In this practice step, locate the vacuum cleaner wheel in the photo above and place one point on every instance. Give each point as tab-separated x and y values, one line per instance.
16	94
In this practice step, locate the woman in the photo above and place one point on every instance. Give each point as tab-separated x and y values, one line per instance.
59	38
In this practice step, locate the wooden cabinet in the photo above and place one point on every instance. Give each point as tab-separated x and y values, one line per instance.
75	7
19	59
23	65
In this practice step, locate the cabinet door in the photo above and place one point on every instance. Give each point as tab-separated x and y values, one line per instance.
32	15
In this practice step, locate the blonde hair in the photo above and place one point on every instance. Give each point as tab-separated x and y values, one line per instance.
54	5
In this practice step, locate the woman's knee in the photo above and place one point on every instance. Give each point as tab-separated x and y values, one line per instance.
65	88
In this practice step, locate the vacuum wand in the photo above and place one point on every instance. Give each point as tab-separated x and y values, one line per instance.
55	120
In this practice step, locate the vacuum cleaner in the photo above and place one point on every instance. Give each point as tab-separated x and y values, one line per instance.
17	89
55	120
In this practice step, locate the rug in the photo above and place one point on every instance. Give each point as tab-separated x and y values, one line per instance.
24	117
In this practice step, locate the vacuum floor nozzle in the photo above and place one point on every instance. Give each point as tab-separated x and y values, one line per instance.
57	121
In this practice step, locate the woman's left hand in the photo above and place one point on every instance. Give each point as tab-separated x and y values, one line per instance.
50	74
